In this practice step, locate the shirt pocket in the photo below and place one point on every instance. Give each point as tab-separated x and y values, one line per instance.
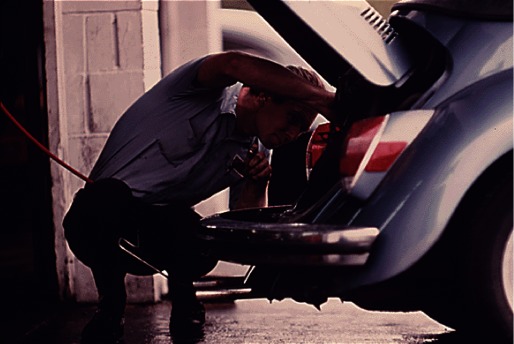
180	145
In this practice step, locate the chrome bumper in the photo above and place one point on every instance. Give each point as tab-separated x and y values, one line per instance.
299	244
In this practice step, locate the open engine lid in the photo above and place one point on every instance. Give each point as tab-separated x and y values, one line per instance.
334	36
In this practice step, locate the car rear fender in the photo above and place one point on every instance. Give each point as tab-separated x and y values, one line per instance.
416	200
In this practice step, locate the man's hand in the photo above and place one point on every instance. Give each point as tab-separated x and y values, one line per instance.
258	168
258	174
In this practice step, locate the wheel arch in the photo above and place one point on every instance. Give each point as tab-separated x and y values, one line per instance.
468	135
429	282
498	175
462	266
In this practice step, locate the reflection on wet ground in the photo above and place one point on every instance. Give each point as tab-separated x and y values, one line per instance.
256	322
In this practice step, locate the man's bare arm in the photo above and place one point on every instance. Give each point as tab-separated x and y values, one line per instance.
224	69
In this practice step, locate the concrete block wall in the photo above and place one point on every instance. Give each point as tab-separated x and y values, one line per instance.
111	57
102	55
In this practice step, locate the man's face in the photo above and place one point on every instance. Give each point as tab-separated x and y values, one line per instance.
281	123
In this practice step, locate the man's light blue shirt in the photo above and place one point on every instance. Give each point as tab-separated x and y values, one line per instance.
176	143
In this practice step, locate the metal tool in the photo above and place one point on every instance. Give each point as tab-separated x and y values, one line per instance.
126	245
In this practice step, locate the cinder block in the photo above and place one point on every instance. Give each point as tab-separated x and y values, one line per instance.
130	40
101	41
75	184
84	284
151	39
84	150
81	6
82	154
152	76
140	289
110	95
74	44
150	5
75	103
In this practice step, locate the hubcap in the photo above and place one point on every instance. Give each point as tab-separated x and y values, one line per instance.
507	270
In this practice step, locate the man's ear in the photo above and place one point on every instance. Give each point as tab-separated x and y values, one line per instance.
249	99
256	98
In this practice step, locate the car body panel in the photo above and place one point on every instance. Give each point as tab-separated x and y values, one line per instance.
416	200
477	50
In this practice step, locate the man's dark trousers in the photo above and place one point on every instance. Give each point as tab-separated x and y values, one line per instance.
105	211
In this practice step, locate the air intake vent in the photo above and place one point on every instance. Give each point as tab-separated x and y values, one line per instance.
379	24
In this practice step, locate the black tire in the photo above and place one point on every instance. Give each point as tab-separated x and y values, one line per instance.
477	302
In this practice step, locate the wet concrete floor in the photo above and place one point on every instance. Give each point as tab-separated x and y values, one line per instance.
256	322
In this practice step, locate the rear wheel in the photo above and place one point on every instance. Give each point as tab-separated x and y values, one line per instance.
507	272
489	283
479	296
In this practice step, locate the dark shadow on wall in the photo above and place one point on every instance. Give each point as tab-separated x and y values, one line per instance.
28	281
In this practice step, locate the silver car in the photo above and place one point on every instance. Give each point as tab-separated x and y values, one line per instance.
409	200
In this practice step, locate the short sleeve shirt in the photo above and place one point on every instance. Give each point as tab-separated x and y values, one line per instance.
176	143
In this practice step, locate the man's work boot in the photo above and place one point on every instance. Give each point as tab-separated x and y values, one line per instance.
187	313
107	324
187	321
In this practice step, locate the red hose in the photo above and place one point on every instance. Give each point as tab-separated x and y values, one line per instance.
43	148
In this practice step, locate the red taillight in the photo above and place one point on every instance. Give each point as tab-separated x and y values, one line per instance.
359	139
384	156
317	144
362	149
